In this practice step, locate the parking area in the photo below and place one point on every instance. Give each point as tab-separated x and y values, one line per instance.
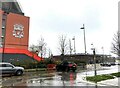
53	78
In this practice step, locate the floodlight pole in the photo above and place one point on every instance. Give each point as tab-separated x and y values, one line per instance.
84	37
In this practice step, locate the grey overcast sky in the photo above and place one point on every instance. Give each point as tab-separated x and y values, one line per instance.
51	18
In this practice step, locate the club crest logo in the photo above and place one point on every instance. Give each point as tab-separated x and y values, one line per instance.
18	31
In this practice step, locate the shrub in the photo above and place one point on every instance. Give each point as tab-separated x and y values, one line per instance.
41	64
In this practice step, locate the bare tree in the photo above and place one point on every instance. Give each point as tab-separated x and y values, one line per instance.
42	47
49	53
63	45
33	48
116	44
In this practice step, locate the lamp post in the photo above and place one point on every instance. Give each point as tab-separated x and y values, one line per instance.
74	45
94	58
103	54
84	37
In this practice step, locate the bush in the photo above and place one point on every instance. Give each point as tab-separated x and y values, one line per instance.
80	63
41	64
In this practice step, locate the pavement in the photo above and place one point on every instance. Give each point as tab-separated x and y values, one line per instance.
110	82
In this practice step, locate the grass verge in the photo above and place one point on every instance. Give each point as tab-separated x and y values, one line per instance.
37	69
116	74
99	78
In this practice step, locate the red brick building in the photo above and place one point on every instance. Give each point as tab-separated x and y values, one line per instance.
14	34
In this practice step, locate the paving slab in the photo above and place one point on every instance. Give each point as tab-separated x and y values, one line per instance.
111	82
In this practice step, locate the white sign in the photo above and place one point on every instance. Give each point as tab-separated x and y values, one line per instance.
18	31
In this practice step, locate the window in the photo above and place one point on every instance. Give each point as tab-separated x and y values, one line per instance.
3	65
8	65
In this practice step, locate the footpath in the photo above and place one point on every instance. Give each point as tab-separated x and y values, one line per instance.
111	82
104	70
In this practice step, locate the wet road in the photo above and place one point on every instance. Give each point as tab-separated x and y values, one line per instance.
53	78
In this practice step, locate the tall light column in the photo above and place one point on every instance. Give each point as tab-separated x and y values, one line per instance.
84	37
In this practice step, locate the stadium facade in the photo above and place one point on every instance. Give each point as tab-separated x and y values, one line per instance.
14	34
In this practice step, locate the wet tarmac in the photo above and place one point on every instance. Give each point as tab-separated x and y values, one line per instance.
56	79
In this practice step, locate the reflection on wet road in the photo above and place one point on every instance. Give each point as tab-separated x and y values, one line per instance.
51	78
59	79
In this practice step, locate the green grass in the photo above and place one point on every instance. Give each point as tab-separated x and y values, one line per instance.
99	78
116	74
37	69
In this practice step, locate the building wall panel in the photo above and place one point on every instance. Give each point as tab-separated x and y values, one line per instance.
17	25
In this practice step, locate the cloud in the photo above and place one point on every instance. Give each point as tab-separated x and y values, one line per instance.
51	18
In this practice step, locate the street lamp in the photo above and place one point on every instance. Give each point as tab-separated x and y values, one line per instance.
103	54
93	48
74	45
84	37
